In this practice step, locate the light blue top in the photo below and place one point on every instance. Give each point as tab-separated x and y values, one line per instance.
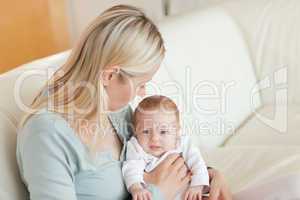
55	165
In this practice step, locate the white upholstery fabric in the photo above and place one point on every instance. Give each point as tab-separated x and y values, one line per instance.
245	167
25	81
271	28
34	76
256	132
205	55
11	186
178	7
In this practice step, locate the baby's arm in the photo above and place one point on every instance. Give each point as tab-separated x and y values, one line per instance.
198	168
133	172
195	163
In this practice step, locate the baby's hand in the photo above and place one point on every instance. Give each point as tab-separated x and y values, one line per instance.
194	193
138	192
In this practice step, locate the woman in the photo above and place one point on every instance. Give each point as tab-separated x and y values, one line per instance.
73	146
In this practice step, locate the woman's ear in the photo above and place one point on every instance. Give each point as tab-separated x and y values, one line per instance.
109	74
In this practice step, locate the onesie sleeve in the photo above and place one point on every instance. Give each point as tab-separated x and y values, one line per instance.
134	165
195	163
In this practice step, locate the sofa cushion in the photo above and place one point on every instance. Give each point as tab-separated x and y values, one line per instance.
11	186
17	89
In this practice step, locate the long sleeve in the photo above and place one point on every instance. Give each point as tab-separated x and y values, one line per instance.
133	167
195	162
46	165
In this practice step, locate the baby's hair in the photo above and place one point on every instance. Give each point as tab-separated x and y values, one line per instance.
155	103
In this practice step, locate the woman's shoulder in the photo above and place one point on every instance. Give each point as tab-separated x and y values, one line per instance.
51	130
43	121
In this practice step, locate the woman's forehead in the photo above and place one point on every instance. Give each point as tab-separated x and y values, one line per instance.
147	75
142	78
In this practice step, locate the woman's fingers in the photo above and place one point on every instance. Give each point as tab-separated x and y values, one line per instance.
185	181
177	164
226	194
149	196
145	197
214	193
170	159
187	196
199	196
194	197
182	172
218	187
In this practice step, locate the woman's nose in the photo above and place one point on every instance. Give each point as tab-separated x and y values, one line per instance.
141	91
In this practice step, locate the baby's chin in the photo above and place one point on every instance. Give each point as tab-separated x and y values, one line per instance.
157	153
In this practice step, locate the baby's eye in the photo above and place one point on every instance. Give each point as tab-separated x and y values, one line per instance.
145	131
163	132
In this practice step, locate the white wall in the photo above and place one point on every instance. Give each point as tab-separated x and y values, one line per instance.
180	6
81	12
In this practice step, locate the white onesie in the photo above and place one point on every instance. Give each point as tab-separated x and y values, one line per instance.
138	161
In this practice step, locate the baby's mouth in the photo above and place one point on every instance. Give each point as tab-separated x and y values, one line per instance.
155	147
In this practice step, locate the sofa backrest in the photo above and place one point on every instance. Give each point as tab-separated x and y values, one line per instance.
17	89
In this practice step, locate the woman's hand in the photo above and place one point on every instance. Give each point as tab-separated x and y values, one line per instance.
170	176
219	189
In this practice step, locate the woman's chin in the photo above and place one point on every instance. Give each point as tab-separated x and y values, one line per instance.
118	108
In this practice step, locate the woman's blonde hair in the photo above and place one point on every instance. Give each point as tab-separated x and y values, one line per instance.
121	36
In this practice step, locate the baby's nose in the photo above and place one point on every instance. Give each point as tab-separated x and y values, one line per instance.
155	137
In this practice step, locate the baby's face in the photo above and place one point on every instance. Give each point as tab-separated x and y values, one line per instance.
157	132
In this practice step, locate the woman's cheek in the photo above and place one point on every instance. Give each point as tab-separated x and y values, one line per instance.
126	93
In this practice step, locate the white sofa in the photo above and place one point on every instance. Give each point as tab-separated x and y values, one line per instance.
208	58
271	29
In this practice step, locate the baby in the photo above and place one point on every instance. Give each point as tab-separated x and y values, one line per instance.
157	135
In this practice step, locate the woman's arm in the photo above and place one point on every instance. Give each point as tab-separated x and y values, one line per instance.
219	189
45	165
